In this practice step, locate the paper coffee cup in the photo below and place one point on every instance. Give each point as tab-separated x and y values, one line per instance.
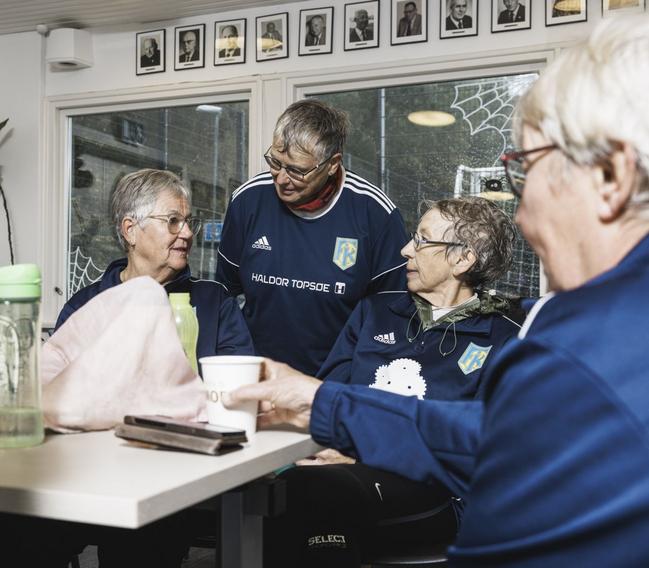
224	373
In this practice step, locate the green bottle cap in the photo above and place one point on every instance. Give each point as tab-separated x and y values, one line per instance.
20	282
179	299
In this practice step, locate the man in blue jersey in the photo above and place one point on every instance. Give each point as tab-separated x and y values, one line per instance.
305	241
558	454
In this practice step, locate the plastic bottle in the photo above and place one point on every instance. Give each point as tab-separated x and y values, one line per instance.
21	417
186	325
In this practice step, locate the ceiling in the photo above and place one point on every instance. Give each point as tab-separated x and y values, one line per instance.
24	15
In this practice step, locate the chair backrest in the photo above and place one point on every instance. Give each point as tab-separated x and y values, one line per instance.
417	555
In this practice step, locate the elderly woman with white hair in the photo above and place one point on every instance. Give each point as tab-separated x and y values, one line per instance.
561	443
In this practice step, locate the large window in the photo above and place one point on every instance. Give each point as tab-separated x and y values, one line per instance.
206	145
453	151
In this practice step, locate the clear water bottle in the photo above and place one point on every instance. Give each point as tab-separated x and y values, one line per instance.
21	417
186	324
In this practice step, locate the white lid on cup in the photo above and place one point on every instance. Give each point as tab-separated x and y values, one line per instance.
230	360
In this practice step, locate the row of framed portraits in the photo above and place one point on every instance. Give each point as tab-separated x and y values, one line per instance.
408	24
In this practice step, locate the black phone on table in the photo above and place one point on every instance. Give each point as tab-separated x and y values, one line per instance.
225	434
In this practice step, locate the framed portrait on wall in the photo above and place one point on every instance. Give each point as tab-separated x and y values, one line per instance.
408	21
611	7
316	31
458	18
510	15
230	42
189	49
361	25
558	12
272	36
150	52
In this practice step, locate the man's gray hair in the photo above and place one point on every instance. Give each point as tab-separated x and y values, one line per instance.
313	127
137	193
593	96
485	229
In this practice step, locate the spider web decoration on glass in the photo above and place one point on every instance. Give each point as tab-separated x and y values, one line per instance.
83	271
488	104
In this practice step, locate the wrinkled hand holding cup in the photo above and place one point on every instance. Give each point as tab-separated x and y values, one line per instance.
225	373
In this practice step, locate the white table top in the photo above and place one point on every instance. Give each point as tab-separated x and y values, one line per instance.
100	479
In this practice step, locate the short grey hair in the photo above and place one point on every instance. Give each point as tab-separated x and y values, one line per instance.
485	229
593	96
137	193
313	127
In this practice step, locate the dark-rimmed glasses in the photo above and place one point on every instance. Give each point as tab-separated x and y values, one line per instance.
175	223
294	173
419	241
514	166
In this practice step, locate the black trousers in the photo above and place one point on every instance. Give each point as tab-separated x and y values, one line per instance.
337	513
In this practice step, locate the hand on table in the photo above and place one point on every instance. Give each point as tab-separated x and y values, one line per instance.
285	395
326	457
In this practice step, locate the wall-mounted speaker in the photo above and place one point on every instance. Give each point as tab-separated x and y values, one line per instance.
68	48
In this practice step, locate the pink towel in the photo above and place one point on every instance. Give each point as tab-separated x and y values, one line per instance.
119	354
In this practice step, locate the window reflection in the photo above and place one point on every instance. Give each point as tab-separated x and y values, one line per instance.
412	160
206	145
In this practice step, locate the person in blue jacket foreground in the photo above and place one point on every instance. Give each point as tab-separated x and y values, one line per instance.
151	211
561	444
431	342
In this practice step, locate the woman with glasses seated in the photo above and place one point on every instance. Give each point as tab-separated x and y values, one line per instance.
306	240
152	215
432	342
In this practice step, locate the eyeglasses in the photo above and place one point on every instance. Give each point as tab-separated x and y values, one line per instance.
294	173
175	223
419	241
514	167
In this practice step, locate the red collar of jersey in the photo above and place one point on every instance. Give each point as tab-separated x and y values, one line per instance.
324	196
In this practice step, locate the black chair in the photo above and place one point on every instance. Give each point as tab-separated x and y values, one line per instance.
420	556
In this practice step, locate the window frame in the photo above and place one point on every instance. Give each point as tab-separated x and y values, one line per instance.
461	67
57	151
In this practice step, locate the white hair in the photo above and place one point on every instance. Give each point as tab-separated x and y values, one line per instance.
594	95
136	195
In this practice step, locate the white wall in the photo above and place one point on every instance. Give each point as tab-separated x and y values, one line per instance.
115	49
21	92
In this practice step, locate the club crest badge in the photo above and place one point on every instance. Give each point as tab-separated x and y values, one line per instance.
473	358
345	252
